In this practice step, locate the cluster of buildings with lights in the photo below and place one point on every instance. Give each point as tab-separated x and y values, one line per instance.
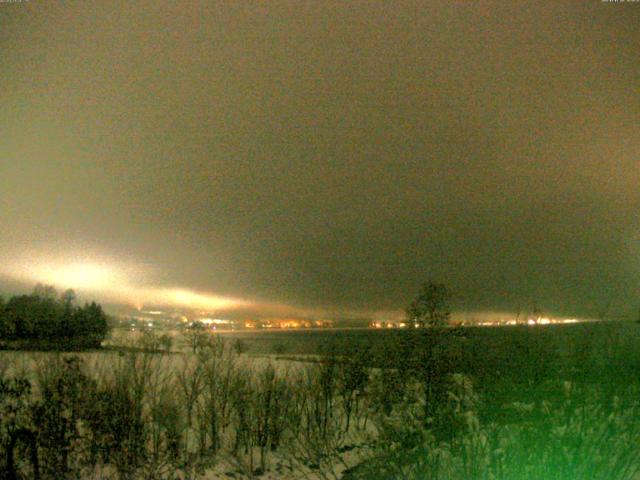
531	320
269	323
391	324
155	319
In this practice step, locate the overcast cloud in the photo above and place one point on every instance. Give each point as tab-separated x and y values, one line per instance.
324	158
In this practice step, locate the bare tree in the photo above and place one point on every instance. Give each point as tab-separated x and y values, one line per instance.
431	307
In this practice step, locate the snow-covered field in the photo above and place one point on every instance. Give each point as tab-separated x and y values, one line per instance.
209	409
208	413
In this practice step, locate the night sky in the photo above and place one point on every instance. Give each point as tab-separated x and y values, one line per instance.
321	158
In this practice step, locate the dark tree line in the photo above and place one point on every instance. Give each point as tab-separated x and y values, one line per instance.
45	315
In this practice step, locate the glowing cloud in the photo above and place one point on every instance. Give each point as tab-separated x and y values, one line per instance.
113	281
81	275
185	298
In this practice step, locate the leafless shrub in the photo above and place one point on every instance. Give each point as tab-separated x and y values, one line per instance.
270	404
217	363
189	385
118	420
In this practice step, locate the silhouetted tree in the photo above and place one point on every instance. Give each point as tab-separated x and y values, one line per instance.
196	337
95	322
431	307
66	390
45	291
4	326
239	346
166	341
67	298
15	427
45	316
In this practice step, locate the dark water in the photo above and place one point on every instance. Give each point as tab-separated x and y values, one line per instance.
582	351
505	338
